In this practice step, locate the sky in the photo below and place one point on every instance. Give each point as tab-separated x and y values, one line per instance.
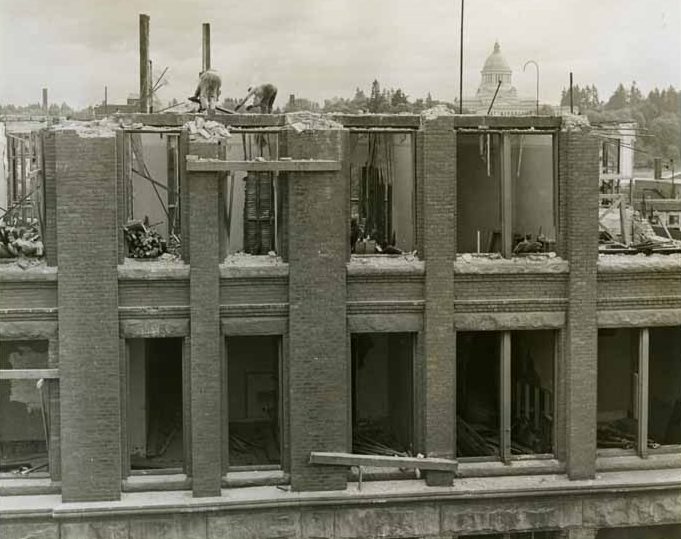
324	48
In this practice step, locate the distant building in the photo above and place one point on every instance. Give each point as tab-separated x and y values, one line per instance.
507	101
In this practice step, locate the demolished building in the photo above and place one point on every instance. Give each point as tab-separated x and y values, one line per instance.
348	326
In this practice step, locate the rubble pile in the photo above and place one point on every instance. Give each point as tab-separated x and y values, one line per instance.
574	122
143	241
306	121
437	111
206	130
20	240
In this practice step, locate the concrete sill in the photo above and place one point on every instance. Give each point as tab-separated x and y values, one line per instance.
621	463
27	486
537	466
147	483
476	265
360	265
255	478
14	272
152	270
253	270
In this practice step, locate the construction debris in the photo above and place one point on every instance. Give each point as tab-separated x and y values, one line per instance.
206	130
307	121
20	240
620	434
143	241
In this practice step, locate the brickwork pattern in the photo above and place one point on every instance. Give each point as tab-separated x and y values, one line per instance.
579	170
318	361
439	229
50	187
205	363
88	317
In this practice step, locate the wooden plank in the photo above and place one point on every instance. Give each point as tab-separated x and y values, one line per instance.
28	374
294	165
352	459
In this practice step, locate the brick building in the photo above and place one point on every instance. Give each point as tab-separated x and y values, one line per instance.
432	288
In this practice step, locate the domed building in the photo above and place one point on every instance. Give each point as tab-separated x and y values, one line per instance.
507	102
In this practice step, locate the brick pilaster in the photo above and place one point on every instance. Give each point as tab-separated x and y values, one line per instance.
439	251
88	316
578	169
318	370
50	191
205	361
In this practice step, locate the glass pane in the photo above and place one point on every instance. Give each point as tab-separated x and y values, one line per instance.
382	396
617	368
23	355
478	193
253	393
477	393
532	180
155	426
664	395
532	364
24	425
382	193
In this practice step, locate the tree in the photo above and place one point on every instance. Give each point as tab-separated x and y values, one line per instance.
376	98
618	100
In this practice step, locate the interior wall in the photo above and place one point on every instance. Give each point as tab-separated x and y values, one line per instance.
617	360
533	184
664	394
478	195
137	397
253	376
145	202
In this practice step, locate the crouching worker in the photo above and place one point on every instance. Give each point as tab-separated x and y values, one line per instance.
263	98
208	91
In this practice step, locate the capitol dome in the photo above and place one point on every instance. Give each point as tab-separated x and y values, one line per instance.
496	63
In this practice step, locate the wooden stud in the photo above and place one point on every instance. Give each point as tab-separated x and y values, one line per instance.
642	393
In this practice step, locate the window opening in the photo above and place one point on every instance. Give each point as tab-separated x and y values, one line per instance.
26	397
253	392
382	394
155	426
382	193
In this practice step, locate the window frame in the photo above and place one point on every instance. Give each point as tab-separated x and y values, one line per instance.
507	183
505	402
51	376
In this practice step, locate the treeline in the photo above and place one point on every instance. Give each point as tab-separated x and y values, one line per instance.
658	116
35	109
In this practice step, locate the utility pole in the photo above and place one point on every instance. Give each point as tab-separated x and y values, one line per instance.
145	82
206	47
572	108
461	64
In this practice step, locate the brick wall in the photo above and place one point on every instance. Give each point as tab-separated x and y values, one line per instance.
50	186
319	367
206	361
88	316
439	231
578	169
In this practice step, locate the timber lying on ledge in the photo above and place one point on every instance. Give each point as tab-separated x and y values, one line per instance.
353	459
195	164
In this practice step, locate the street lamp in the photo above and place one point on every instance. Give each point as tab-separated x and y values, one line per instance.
537	66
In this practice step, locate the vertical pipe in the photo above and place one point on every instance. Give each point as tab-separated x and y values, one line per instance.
150	93
144	63
642	393
206	46
106	99
537	88
461	63
572	108
505	397
45	105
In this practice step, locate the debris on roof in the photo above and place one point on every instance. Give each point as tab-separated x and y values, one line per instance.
437	111
574	122
308	121
20	240
206	130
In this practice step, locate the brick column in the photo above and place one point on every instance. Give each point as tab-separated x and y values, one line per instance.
318	227
578	167
205	361
50	190
88	316
439	250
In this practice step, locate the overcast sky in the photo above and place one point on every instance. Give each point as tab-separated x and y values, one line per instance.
323	48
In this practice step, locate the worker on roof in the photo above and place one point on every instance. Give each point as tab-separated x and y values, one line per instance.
263	98
208	90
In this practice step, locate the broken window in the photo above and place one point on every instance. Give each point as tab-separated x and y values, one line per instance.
505	193
382	394
155	414
28	391
151	166
617	386
251	202
253	392
22	213
382	192
505	393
